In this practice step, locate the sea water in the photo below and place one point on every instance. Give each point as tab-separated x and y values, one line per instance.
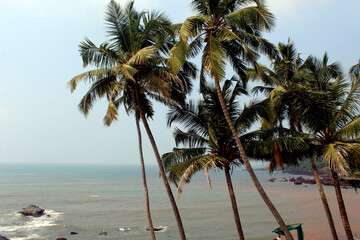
89	199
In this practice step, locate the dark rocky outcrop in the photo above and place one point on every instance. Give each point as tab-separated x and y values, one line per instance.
298	182
32	210
284	180
3	238
309	181
326	180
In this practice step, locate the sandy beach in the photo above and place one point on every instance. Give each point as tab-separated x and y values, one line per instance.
91	199
310	210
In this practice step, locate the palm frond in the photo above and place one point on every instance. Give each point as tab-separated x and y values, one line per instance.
91	76
103	57
261	89
178	56
97	90
126	70
213	58
258	16
111	114
350	131
187	115
118	21
179	155
190	138
252	113
354	71
336	155
142	56
204	162
350	107
190	27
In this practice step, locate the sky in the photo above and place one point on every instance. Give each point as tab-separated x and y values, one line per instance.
39	119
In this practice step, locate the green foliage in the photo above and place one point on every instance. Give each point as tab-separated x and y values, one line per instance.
208	142
327	105
223	30
133	58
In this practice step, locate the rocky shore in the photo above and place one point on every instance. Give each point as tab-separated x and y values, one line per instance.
32	210
325	180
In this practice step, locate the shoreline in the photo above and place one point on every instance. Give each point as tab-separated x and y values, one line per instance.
315	226
88	201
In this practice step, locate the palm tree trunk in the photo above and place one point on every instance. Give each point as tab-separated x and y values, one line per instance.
233	202
146	191
323	199
257	184
341	204
161	168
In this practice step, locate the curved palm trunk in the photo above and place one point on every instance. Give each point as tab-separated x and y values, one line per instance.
257	184
323	199
233	202
161	168
341	204
146	191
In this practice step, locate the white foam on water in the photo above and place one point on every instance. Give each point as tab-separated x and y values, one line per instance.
30	237
52	213
94	196
124	229
32	223
163	228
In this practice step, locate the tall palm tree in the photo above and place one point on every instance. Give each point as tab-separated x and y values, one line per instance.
128	101
323	75
208	141
330	110
227	30
143	174
288	71
133	58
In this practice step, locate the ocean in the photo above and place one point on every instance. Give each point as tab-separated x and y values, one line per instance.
89	199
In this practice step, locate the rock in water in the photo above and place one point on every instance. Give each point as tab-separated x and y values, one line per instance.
272	179
298	182
32	210
3	238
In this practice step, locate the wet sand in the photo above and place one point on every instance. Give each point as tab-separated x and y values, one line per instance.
311	212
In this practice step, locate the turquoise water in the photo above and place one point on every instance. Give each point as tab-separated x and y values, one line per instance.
89	199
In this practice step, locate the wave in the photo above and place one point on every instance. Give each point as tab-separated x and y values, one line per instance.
30	237
158	229
94	196
16	222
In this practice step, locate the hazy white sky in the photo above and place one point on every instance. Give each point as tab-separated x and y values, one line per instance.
39	120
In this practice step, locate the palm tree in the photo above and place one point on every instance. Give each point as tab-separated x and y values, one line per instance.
128	101
330	110
208	140
322	78
143	173
229	31
133	59
289	70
